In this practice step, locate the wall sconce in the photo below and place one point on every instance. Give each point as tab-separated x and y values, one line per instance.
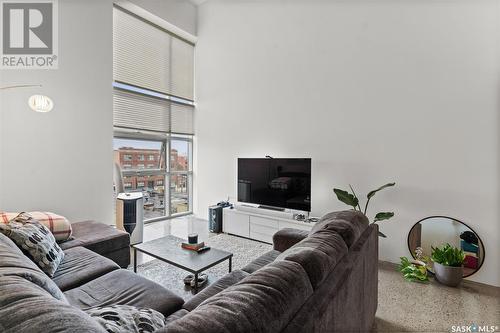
38	103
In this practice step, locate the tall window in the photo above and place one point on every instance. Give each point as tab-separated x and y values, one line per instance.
153	109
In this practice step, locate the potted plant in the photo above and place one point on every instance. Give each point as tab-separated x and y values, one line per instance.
448	262
415	270
352	200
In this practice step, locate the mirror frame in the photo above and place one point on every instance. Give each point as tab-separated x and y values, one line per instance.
456	220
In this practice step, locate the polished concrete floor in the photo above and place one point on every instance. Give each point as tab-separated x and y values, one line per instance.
403	306
432	307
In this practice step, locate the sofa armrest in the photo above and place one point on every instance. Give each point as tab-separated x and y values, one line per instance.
287	237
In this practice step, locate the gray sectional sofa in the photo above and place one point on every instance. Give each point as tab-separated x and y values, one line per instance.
322	281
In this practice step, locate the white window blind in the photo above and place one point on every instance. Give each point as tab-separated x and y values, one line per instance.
131	110
136	111
182	69
181	119
141	53
148	57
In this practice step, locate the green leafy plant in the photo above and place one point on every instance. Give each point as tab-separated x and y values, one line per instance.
351	199
448	255
413	271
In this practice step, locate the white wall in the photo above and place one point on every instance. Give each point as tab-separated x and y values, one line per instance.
62	161
372	91
180	13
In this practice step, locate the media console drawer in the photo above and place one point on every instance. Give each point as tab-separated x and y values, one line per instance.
263	229
236	223
261	237
301	226
267	222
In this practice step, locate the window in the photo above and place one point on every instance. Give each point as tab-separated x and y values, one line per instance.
153	110
180	175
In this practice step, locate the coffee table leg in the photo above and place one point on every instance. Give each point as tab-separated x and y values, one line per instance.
195	283
135	260
230	264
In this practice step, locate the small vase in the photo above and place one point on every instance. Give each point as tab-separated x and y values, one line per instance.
448	275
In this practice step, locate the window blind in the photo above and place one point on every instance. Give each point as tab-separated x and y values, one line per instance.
132	110
148	57
136	111
182	119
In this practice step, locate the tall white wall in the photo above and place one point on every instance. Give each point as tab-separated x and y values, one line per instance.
62	161
372	91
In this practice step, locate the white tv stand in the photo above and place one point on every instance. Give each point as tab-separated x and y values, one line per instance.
259	224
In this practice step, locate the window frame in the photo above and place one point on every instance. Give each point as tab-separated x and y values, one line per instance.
188	173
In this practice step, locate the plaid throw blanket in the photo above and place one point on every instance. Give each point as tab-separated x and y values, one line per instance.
57	224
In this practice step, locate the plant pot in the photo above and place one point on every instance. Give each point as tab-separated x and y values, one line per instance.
448	275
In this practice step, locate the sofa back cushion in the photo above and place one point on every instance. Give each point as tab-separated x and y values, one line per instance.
13	262
265	301
26	307
349	224
318	254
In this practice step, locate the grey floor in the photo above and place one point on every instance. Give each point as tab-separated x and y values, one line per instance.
403	306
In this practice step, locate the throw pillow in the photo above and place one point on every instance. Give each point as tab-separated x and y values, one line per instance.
35	240
57	224
126	318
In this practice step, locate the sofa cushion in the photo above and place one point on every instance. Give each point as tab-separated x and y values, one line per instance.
98	237
285	238
124	287
349	224
176	315
13	262
215	288
80	266
265	301
126	318
261	261
26	307
35	240
318	254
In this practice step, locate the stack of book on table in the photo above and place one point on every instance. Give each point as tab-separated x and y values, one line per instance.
193	247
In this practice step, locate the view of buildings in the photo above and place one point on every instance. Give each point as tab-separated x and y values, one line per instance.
143	170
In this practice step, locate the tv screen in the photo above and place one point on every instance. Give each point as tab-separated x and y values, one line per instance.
275	182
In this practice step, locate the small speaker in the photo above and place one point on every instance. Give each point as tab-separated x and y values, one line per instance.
215	219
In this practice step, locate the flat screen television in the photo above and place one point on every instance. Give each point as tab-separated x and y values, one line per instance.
275	182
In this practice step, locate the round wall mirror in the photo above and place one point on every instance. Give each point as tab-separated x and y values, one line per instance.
436	231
